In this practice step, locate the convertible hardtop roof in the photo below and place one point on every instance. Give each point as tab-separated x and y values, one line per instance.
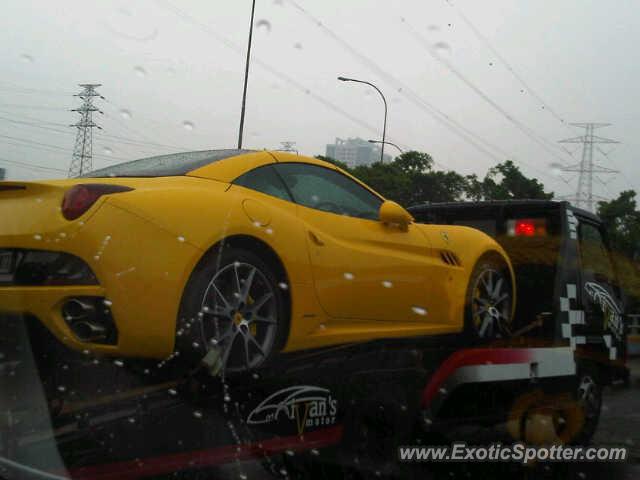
499	205
173	164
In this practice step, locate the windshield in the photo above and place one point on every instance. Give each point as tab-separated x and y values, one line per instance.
339	239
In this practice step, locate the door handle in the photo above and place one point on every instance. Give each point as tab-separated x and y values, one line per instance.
314	238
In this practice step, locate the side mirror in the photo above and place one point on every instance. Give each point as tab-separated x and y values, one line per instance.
393	214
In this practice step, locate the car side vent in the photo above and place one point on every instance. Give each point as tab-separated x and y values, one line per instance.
450	258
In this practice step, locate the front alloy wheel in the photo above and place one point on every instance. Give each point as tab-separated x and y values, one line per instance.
490	302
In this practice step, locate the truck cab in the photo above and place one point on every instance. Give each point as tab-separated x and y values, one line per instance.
568	289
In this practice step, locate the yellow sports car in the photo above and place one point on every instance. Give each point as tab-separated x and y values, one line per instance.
247	253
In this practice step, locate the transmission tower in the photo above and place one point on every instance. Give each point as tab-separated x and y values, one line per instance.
288	147
82	151
586	168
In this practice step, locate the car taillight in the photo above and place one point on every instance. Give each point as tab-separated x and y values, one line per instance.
527	227
79	198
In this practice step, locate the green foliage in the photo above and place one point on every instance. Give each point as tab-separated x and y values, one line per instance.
411	179
505	181
622	222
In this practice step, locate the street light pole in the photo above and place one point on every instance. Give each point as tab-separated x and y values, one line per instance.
384	100
246	77
386	143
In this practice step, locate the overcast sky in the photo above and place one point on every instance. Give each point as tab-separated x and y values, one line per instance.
472	83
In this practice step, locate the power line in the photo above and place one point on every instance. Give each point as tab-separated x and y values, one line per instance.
519	125
506	64
34	144
35	123
32	165
33	107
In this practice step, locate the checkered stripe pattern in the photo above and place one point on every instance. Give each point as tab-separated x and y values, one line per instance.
573	225
576	317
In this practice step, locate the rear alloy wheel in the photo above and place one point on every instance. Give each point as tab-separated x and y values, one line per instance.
240	315
489	301
236	310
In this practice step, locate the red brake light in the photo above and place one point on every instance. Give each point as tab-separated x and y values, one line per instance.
527	227
79	198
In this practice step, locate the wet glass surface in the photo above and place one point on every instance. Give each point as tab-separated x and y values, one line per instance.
276	319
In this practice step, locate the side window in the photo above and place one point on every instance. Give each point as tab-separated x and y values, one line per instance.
327	190
596	263
264	179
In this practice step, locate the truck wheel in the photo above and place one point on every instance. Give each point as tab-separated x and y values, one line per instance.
233	305
589	397
489	300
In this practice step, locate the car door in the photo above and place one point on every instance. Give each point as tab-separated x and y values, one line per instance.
600	294
362	269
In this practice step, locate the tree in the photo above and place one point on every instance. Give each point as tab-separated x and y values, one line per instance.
621	219
414	162
505	181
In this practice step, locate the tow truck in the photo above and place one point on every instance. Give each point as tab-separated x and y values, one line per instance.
329	412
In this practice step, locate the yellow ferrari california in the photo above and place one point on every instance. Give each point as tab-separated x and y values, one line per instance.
248	253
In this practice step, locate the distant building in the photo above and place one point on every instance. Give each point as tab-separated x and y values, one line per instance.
355	152
3	173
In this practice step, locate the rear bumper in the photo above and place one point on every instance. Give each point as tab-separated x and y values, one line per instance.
141	269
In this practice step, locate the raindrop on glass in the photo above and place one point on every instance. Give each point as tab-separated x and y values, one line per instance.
108	303
37	237
269	231
197	414
140	72
263	26
556	168
227	398
419	310
349	276
132	420
187	125
315	452
442	47
181	239
107	151
126	114
283	286
118	363
62	388
387	284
